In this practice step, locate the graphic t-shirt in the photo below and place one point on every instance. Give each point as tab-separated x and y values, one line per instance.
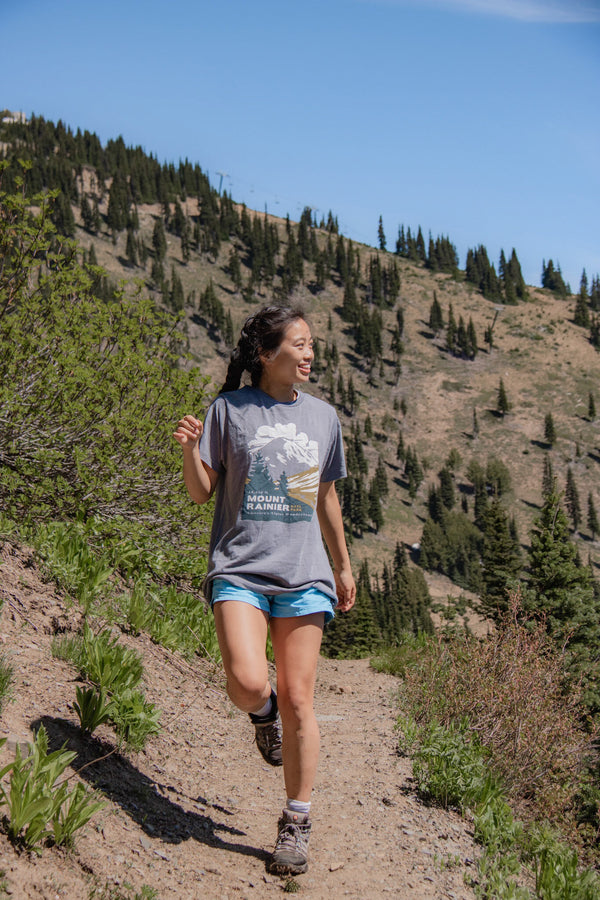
271	457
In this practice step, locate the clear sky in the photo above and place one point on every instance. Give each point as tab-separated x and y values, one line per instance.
476	119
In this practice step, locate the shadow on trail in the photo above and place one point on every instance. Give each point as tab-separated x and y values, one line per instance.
139	796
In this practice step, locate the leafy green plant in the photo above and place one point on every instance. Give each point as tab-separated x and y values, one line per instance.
65	551
449	763
557	872
6	676
134	718
38	807
108	664
93	708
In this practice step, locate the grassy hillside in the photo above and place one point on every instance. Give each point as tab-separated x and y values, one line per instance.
546	362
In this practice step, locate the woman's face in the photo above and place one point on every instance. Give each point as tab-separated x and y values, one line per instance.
291	362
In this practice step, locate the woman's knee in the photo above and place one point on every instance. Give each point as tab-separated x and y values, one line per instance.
296	706
248	689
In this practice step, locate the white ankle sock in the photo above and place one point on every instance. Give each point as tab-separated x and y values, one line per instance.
298	806
264	710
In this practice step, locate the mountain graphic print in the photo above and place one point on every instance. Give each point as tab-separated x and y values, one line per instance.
283	480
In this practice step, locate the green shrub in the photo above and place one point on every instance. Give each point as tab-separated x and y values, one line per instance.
6	677
37	807
512	689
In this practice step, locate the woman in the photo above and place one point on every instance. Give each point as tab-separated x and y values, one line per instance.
272	454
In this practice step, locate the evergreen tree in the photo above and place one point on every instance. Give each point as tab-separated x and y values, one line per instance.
548	480
472	348
500	561
436	318
131	248
502	403
447	493
375	511
381	235
352	396
591	407
159	240
475	425
356	634
561	588
549	430
552	279
451	331
572	500
592	518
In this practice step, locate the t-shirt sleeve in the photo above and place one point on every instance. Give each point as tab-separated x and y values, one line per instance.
211	445
335	464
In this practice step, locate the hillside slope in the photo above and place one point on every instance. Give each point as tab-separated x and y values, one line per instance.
194	814
546	362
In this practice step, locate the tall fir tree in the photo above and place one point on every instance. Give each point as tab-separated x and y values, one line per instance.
502	402
592	518
572	500
500	560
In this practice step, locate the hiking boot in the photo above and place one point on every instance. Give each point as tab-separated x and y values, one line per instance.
268	735
290	856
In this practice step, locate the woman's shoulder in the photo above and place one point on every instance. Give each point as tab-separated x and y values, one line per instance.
238	398
320	406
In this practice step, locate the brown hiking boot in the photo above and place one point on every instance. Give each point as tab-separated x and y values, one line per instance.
268	735
290	856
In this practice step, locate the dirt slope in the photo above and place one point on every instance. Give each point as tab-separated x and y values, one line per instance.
195	814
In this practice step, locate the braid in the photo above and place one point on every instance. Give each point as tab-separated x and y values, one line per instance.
261	333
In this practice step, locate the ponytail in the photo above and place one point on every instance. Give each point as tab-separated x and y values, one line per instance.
261	333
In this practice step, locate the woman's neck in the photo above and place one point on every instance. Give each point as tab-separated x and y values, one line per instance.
282	393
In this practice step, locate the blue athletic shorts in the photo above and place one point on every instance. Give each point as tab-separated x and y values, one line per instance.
280	606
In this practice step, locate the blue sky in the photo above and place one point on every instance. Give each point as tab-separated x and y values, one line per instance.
476	119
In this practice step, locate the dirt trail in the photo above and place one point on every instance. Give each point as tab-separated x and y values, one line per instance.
194	816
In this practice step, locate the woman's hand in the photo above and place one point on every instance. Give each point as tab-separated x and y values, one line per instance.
189	432
345	589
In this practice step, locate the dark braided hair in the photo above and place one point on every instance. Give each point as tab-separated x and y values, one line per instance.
261	333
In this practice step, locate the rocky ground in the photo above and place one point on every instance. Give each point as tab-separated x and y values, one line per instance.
195	814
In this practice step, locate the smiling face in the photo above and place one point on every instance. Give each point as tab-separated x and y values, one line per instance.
290	363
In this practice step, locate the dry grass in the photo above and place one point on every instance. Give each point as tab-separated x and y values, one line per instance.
512	688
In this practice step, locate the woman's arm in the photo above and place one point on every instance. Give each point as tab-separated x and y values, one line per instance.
199	478
332	527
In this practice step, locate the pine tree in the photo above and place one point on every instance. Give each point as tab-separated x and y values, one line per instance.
592	518
475	425
472	348
436	318
375	511
561	588
381	235
352	396
548	480
500	561
549	430
451	331
572	500
159	240
502	404
447	493
591	407
131	248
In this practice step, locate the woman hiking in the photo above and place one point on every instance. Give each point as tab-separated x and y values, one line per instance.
271	454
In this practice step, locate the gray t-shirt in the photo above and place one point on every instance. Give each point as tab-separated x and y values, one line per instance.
271	457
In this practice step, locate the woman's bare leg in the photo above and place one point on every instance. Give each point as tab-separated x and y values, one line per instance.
242	633
296	644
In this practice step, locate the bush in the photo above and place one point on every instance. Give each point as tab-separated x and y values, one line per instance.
38	807
90	387
511	687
